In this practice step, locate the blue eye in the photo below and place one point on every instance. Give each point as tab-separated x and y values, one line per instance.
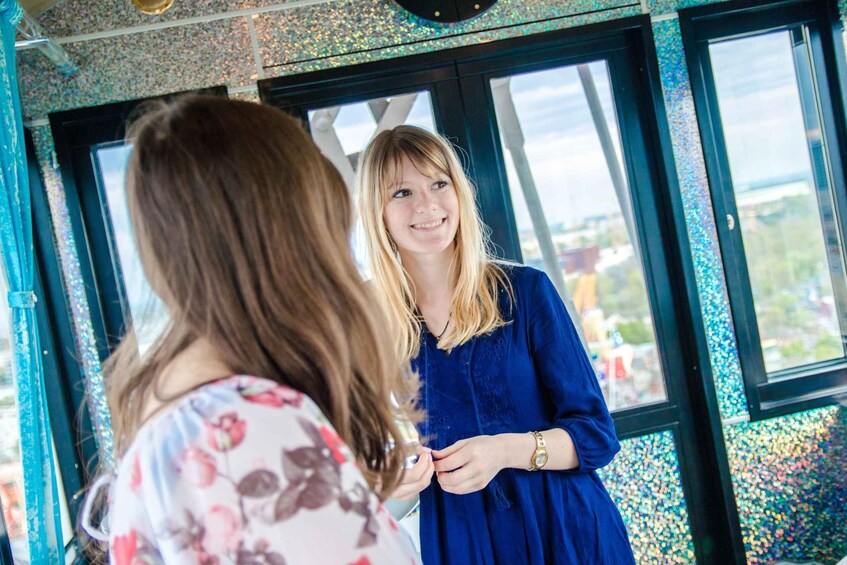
402	193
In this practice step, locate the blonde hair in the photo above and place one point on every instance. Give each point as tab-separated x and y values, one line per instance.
243	229
475	276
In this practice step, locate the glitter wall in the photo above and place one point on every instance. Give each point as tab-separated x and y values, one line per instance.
787	473
644	482
790	480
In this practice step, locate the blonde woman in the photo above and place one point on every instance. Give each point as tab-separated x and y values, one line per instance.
514	414
256	430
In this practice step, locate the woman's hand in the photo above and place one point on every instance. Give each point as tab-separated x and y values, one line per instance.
417	477
469	464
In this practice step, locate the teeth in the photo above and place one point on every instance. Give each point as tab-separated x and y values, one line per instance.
429	224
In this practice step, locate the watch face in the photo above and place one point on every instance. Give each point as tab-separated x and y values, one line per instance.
540	459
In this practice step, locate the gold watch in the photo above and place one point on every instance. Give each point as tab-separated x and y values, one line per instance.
539	456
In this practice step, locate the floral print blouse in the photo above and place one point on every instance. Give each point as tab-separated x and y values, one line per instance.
246	471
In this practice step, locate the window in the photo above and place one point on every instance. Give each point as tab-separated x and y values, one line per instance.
767	97
575	219
92	156
148	314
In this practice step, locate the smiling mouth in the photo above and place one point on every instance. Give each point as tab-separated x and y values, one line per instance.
429	225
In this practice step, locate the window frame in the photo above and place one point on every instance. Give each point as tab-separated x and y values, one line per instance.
472	66
77	134
812	385
72	433
691	411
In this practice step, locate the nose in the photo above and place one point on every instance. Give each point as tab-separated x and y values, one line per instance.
426	202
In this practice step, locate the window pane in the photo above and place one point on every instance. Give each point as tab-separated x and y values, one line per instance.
149	316
342	132
574	215
11	472
781	185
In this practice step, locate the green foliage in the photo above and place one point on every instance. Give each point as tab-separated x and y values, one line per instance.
828	347
793	349
620	290
635	332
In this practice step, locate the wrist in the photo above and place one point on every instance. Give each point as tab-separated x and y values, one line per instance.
517	450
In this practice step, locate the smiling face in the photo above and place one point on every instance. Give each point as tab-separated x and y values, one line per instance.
422	211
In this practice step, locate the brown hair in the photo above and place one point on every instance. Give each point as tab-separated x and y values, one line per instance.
243	229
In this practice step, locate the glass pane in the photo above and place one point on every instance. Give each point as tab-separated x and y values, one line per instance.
342	132
785	209
574	215
149	316
11	471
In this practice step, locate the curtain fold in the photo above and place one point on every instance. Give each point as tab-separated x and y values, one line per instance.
39	472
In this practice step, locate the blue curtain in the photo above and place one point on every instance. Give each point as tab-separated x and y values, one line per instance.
44	525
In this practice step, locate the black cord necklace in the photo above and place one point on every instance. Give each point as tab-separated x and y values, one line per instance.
444	331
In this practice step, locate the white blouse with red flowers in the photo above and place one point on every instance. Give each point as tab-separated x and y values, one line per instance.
243	470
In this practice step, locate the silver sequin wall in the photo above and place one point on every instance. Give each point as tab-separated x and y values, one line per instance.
787	473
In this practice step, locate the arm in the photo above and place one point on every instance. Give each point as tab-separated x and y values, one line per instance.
569	379
584	437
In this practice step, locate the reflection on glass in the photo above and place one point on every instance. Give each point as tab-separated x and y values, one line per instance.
149	316
11	472
781	185
575	221
342	132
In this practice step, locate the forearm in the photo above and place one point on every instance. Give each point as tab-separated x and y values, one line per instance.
517	450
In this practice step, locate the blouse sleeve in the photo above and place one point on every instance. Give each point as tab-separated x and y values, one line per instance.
565	370
264	478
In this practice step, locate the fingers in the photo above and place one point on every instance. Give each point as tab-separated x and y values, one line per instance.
463	481
415	479
417	471
449	450
454	461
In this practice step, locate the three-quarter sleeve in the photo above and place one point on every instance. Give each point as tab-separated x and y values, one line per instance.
567	375
248	471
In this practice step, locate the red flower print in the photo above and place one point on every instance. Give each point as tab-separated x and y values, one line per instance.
203	558
135	474
334	443
222	530
226	433
363	560
270	394
198	467
124	548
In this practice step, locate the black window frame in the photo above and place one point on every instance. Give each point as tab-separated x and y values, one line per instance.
77	135
71	428
691	411
472	66
808	386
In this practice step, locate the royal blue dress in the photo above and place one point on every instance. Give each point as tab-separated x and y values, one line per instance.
531	374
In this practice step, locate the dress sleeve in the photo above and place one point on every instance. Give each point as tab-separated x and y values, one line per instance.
566	372
263	479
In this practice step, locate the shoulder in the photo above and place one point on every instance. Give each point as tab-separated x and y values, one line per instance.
245	463
522	278
241	422
222	415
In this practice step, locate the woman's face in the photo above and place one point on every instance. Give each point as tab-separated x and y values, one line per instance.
422	212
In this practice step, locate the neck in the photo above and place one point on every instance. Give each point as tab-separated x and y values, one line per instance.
429	274
199	363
